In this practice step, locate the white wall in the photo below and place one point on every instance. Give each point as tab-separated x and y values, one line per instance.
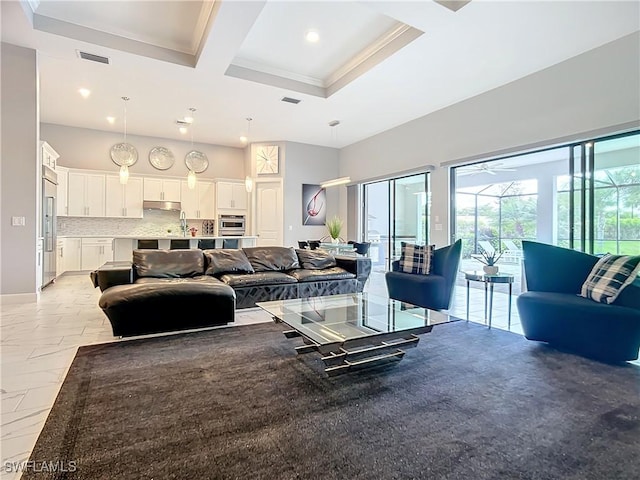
596	92
19	171
86	148
308	164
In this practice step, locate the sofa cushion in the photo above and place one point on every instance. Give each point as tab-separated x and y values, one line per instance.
199	280
265	259
258	278
227	261
416	258
315	259
609	276
334	273
168	263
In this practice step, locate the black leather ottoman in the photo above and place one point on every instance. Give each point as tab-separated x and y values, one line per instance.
162	305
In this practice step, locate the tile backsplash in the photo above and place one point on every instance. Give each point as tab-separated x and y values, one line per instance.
154	222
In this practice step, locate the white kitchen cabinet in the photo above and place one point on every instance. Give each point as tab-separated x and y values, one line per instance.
161	189
62	205
96	252
199	202
49	155
71	254
86	194
124	201
231	196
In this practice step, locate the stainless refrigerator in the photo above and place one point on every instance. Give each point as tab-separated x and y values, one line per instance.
49	186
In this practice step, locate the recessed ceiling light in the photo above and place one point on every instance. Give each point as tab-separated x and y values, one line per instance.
183	130
84	92
243	139
111	120
312	36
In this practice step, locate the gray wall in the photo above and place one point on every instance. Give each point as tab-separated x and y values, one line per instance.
597	92
20	173
86	148
308	164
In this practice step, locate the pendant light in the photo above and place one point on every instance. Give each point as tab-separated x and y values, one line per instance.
124	154
124	169
191	177
248	184
248	181
245	138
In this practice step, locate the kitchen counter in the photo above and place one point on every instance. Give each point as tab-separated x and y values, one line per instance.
124	245
156	237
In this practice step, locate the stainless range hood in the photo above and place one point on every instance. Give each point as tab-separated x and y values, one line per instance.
161	205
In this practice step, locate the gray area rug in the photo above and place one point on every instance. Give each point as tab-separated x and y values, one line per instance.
237	403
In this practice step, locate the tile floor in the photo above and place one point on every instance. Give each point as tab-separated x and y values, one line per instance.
39	341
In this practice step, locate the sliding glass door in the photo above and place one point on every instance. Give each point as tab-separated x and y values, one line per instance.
603	193
584	196
395	211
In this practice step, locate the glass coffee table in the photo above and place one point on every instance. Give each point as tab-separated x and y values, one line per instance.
356	330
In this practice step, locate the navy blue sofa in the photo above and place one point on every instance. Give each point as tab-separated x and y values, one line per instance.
552	311
432	291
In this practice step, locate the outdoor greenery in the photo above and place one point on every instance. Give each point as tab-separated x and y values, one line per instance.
616	211
509	212
517	211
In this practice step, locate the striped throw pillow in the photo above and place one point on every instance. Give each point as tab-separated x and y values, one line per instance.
416	258
609	276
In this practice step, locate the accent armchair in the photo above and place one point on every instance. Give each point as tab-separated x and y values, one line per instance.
552	311
432	291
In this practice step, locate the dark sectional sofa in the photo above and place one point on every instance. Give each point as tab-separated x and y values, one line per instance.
207	286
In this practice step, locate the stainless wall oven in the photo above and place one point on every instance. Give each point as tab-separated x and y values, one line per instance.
231	225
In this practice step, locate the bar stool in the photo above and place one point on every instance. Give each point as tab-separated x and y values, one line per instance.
149	244
206	244
230	243
179	245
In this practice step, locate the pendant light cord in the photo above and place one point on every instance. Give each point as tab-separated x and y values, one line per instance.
126	99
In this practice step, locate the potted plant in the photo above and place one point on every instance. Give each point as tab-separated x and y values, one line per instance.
334	226
193	231
489	259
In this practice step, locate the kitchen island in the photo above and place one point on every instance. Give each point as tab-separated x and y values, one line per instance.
123	245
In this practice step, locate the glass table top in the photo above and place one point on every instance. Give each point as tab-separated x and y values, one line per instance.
339	318
480	276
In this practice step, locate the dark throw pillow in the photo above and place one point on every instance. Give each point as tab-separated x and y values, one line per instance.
315	259
267	259
227	261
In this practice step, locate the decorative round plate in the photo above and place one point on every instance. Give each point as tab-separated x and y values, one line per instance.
124	154
196	161
161	158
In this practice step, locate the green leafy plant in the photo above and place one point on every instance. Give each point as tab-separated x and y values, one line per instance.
334	226
489	258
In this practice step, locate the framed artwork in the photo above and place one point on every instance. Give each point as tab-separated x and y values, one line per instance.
314	204
267	159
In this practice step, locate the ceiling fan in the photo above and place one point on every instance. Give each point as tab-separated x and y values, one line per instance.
490	168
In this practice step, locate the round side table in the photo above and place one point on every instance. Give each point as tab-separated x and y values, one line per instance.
489	281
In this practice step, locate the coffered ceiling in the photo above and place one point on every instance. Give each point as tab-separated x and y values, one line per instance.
375	65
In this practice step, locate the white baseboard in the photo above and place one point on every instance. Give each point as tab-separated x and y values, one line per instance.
17	298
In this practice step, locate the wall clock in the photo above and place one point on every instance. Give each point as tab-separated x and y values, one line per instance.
267	159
